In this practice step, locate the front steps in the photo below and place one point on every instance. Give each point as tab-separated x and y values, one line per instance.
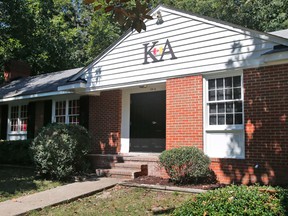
122	166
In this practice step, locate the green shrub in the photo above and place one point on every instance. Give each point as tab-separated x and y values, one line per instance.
15	152
59	151
237	200
185	164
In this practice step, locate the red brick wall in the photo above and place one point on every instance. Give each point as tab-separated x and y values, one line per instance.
105	121
266	130
266	125
184	108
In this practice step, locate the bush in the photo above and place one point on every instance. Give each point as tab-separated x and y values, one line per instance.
237	200
59	151
185	164
15	152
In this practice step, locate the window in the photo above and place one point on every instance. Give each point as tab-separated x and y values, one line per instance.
225	101
66	111
60	111
73	113
18	118
224	122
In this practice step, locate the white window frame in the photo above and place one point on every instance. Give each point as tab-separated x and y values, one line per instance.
66	107
235	128
16	135
206	102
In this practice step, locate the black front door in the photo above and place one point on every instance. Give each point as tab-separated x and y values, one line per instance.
148	122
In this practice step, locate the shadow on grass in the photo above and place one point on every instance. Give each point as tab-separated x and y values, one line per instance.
16	180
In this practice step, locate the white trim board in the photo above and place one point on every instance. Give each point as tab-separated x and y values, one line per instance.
125	117
46	94
223	133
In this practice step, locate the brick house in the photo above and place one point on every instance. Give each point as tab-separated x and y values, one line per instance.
188	80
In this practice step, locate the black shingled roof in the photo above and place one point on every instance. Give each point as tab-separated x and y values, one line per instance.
43	83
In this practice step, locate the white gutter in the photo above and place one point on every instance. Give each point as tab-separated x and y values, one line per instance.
69	87
47	94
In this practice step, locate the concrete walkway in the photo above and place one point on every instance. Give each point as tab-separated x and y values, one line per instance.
55	196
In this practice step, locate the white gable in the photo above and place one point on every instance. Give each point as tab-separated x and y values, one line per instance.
200	46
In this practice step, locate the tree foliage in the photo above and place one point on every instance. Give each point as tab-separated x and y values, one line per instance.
262	15
51	35
128	13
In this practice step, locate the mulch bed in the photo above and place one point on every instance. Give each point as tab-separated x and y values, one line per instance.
166	182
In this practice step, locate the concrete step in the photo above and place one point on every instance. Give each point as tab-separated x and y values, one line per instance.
122	172
131	165
109	161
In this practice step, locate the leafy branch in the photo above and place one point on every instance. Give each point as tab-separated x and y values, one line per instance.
128	13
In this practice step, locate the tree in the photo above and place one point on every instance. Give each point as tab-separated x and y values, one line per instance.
52	35
128	13
262	15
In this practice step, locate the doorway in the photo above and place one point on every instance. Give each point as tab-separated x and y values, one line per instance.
148	122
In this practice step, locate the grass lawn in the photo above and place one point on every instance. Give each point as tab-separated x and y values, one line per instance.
118	201
16	182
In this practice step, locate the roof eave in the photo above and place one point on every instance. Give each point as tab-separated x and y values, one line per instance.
33	96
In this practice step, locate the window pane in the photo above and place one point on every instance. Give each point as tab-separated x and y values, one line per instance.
228	82
220	95
73	112
24	112
14	118
23	126
237	81
212	95
238	118
74	107
211	84
238	106
228	94
212	120
14	125
229	119
229	107
60	109
74	120
221	108
219	83
212	108
60	119
23	118
221	119
14	112
237	93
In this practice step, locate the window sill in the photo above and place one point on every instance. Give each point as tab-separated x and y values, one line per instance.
226	128
218	160
17	133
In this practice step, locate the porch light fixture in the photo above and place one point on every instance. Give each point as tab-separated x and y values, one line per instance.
159	18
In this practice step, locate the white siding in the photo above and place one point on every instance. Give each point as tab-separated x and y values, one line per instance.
200	46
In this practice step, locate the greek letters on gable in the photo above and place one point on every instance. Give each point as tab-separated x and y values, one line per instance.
167	44
148	52
166	50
